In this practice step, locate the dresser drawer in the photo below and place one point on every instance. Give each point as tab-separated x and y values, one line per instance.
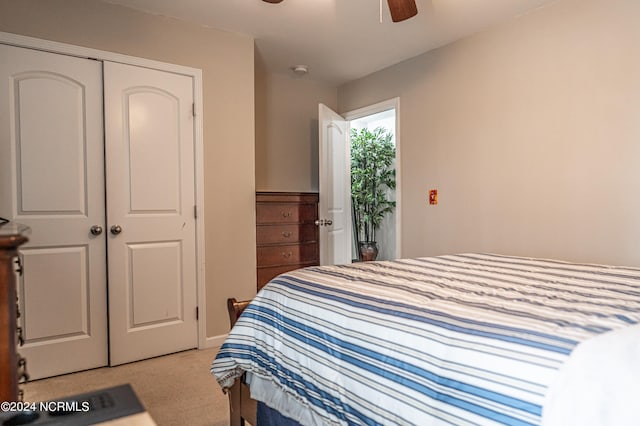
282	234
286	254
285	213
287	197
286	234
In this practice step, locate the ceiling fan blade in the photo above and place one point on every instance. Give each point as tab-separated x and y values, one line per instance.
273	1
402	9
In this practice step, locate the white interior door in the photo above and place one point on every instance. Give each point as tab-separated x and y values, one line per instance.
334	207
52	179
150	212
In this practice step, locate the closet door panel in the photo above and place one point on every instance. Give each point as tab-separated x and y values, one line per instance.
46	133
67	267
150	205
52	180
155	179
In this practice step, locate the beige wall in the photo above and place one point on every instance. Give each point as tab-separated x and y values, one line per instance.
226	61
530	131
287	130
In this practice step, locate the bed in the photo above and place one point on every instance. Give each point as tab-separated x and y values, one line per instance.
467	339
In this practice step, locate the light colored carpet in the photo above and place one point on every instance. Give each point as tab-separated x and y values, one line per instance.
175	389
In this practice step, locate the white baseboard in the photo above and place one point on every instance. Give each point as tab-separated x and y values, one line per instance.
214	341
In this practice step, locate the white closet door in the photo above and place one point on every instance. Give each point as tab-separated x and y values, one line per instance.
150	212
52	179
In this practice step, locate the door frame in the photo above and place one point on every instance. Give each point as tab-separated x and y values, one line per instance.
393	103
196	74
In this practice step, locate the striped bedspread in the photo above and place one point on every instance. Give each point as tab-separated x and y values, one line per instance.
470	339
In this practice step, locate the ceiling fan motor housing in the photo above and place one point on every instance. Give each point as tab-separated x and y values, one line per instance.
400	9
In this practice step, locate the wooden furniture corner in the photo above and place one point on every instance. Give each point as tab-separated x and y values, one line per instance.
241	407
11	237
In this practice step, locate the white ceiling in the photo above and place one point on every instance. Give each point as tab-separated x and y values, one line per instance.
340	40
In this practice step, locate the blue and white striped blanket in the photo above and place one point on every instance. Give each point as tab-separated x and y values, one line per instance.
467	339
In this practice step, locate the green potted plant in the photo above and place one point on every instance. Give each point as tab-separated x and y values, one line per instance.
372	178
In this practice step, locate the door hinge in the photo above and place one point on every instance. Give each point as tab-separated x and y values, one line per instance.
197	313
193	109
195	212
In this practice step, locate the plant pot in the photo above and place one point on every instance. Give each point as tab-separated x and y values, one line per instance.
368	250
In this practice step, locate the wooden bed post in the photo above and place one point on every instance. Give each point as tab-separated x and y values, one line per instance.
235	309
235	406
241	407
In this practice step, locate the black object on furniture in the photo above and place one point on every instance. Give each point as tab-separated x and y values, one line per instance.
85	409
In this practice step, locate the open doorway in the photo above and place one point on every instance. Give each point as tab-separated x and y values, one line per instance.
382	115
336	239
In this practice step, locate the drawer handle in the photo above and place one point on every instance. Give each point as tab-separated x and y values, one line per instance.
286	234
286	214
20	337
19	268
286	255
23	376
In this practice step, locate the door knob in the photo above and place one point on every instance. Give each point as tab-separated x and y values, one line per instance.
96	230
328	222
116	229
319	222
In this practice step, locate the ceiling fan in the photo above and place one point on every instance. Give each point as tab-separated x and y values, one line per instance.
400	9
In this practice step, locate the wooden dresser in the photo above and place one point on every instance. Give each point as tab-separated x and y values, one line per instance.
286	233
11	237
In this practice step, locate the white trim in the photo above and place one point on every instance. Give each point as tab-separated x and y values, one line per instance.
196	74
86	52
199	170
393	103
214	341
373	109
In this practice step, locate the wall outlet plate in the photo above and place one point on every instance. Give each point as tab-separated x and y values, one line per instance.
433	196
